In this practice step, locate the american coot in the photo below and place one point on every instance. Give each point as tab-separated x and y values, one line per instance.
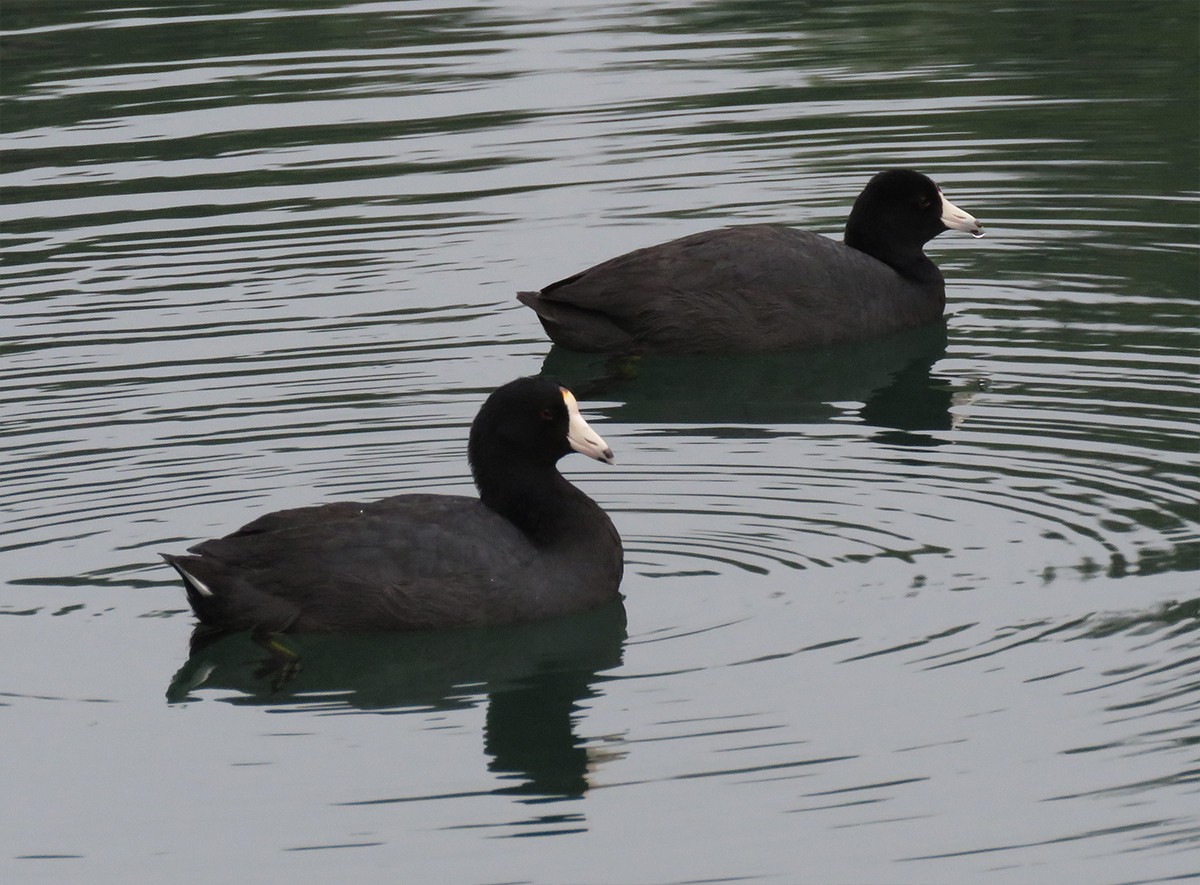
531	546
764	287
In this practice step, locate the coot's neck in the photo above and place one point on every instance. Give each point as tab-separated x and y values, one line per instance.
534	497
907	259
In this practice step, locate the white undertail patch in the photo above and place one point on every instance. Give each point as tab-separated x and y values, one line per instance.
201	588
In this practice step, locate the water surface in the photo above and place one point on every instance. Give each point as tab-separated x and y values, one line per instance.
919	610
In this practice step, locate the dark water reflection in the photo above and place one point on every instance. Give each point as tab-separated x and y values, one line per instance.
886	384
532	678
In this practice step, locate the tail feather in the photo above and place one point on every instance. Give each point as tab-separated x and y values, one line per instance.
200	594
224	599
577	328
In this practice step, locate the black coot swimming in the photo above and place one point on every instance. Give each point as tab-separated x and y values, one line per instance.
532	545
765	287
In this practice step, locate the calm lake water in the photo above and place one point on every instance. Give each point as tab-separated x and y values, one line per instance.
920	611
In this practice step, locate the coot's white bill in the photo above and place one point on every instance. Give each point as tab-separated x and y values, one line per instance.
581	437
956	219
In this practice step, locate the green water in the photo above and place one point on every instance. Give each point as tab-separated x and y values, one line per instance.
918	611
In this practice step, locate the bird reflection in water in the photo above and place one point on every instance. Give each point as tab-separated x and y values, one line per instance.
890	384
534	677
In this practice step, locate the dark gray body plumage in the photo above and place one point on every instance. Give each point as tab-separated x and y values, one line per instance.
759	287
532	546
406	562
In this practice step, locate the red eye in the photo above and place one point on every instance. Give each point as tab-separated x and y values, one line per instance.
546	415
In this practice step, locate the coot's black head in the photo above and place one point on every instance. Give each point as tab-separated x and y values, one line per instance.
898	212
531	421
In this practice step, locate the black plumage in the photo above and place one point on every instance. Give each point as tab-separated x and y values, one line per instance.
531	546
765	287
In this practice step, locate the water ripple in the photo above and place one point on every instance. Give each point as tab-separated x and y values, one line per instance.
262	258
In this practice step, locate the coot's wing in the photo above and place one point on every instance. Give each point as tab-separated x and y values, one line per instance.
409	561
744	288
